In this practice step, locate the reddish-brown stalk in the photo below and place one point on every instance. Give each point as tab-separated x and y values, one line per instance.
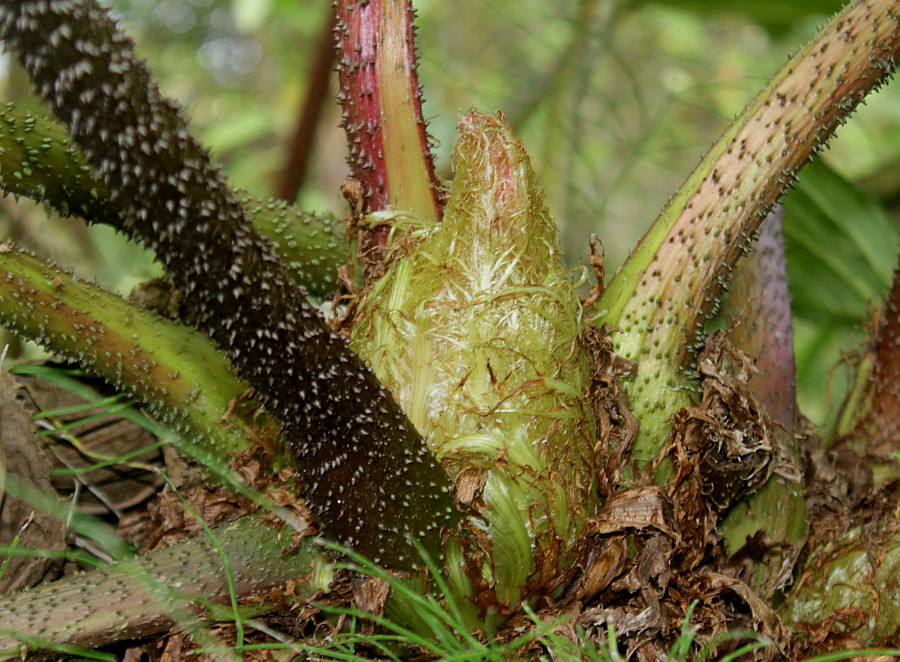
301	146
389	147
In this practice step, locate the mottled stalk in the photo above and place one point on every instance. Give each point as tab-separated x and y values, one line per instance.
389	147
758	309
660	299
38	161
176	371
366	471
151	593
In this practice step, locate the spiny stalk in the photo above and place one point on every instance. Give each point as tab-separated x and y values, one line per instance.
174	370
390	150
660	299
38	161
146	595
389	147
366	471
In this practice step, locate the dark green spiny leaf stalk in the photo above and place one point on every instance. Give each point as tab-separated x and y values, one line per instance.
182	377
38	161
364	465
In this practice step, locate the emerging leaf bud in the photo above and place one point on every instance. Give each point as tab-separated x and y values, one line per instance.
475	328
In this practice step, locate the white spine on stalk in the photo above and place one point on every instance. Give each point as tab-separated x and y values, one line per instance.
475	328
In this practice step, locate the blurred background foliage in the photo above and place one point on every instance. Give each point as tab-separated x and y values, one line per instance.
616	100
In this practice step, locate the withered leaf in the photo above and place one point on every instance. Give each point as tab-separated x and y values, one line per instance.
636	508
21	454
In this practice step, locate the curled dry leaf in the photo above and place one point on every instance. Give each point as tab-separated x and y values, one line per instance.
170	521
636	508
617	427
20	523
94	435
723	449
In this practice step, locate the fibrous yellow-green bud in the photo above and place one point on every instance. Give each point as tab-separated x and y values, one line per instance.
475	329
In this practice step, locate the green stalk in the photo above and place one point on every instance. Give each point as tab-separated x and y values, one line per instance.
151	593
176	371
660	299
38	161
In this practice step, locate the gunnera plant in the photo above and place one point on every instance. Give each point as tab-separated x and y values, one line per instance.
450	339
469	426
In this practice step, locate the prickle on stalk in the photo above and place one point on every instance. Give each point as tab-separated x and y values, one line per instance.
671	284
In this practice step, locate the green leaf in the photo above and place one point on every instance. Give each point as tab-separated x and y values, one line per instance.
841	248
775	16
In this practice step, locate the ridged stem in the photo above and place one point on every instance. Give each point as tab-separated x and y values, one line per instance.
390	151
151	593
659	300
38	161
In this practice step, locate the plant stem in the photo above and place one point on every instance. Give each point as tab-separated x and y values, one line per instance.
174	370
150	593
293	175
362	462
389	147
759	306
38	161
659	300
